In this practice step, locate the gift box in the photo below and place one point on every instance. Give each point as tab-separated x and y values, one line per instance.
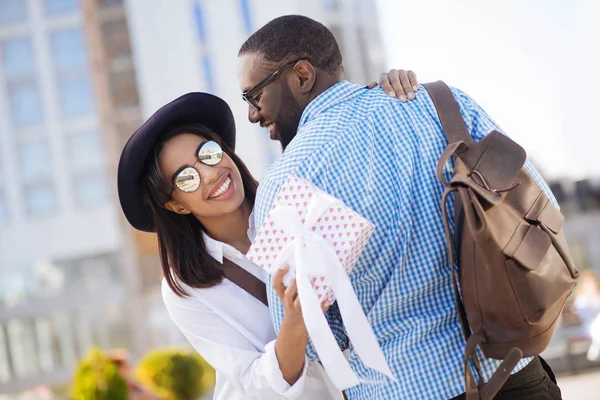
345	231
321	239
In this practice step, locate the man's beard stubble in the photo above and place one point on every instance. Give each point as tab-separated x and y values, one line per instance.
288	117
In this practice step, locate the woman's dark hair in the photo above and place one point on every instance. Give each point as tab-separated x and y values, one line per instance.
183	254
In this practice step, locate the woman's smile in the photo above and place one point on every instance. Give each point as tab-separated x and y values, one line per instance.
223	188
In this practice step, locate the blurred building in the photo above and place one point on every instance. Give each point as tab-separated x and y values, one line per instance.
60	278
580	203
192	45
76	78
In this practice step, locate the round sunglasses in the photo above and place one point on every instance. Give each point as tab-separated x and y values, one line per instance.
188	179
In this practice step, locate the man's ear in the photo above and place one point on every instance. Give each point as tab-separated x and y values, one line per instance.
177	208
307	76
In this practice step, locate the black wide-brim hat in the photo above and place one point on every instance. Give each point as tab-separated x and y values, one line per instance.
197	108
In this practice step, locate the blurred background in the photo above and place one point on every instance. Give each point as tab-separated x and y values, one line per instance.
77	77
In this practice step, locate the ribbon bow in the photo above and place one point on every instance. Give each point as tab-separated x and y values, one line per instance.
310	254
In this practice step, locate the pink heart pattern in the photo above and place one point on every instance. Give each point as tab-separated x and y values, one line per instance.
347	238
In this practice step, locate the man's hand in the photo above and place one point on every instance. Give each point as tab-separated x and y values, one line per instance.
398	83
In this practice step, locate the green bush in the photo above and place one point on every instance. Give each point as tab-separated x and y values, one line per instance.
175	374
97	378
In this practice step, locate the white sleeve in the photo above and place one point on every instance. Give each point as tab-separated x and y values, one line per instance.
253	372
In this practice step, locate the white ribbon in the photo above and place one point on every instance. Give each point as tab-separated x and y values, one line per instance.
310	254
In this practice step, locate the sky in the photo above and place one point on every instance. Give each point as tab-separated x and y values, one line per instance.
533	65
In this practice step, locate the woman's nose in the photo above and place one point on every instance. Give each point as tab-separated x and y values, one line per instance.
208	174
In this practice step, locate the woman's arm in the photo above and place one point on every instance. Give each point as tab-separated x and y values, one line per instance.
290	345
253	371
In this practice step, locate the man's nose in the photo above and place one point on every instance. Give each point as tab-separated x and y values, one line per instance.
253	114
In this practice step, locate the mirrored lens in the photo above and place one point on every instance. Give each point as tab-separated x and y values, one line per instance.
188	180
210	153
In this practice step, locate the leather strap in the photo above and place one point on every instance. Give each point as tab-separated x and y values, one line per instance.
493	386
245	280
447	109
452	149
459	140
462	314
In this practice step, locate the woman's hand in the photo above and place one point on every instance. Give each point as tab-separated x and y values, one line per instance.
291	342
398	83
289	297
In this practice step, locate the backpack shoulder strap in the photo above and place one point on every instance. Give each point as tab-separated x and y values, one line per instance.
245	280
451	119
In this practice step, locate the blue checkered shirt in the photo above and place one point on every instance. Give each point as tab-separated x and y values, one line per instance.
379	156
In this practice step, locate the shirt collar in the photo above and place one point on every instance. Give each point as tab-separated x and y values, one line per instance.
218	250
214	247
327	99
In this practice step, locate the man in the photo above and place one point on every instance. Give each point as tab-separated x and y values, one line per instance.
378	156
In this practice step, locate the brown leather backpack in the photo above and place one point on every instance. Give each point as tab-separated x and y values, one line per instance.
515	271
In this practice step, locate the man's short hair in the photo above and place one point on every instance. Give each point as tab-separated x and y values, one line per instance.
299	36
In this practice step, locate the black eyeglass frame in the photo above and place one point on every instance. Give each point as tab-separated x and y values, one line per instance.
248	96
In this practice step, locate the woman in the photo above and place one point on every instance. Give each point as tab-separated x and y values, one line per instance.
179	177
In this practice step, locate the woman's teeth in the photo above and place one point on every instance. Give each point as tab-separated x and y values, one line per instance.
222	189
270	127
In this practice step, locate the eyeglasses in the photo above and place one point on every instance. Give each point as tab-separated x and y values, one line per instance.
249	96
188	179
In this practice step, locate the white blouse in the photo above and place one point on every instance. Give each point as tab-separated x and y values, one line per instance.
233	332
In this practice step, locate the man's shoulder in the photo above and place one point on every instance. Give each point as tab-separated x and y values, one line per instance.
366	102
347	112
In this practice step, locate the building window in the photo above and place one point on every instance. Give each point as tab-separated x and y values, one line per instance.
40	199
365	54
85	151
199	19
123	89
246	15
12	11
338	34
58	7
91	190
208	72
76	96
19	69
68	50
87	165
116	39
46	346
21	336
34	161
3	212
205	59
17	58
109	3
26	105
580	253
4	359
331	4
36	175
71	63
